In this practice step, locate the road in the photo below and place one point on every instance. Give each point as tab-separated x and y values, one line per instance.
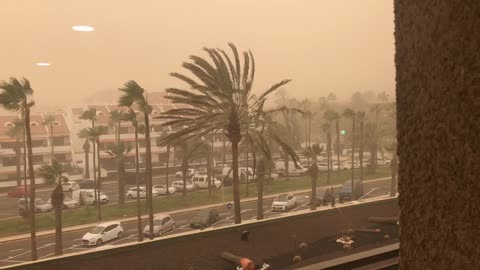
15	252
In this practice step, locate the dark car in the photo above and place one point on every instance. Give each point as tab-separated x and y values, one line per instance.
204	218
18	192
86	184
324	197
346	190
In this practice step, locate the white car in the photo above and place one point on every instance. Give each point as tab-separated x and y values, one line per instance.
322	166
190	172
161	224
383	162
132	193
178	185
70	186
335	166
103	233
162	189
284	202
68	203
201	181
348	165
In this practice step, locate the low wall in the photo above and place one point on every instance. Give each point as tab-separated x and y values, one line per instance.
201	251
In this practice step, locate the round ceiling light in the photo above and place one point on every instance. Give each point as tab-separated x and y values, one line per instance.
83	28
43	64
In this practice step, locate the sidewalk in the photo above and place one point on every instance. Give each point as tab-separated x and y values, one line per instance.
177	211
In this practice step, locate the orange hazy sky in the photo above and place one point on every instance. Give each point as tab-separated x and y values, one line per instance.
324	46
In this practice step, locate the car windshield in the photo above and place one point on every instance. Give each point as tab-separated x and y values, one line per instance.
97	230
281	198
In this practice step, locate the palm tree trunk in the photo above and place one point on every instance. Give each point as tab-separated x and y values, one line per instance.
58	220
329	159
337	127
286	163
260	181
31	173
246	172
137	171
18	161
148	157
166	170
120	170
314	177
360	153
394	168
94	157
353	158
51	141
99	182
25	164
87	163
236	186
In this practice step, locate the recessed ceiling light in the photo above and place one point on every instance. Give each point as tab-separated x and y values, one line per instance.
83	28
43	64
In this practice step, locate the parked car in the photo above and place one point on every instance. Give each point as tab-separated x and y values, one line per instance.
201	181
383	162
322	166
178	185
292	170
68	203
70	186
204	218
87	196
132	193
324	196
190	173
336	167
284	202
348	165
18	191
162	189
103	233
40	206
86	184
243	172
346	190
161	224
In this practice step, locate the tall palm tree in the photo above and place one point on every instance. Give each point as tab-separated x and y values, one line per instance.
326	129
312	152
94	134
119	151
361	118
220	102
83	134
131	116
54	174
16	96
349	113
48	123
135	95
90	115
16	132
331	116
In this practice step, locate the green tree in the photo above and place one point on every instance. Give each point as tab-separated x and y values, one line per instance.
48	122
220	102
54	174
17	96
134	95
349	113
312	152
119	150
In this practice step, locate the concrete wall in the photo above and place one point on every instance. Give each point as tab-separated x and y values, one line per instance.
438	108
201	251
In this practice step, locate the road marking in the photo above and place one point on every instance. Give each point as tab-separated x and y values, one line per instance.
48	255
12	261
15	250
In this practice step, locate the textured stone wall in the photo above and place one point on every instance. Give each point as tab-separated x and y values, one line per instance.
438	108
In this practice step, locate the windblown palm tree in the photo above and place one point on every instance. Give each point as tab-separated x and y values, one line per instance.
17	96
134	95
349	113
312	152
361	118
54	174
90	115
48	122
83	134
220	100
326	129
132	117
119	150
16	132
331	116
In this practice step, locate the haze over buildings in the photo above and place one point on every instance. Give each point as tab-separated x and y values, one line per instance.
324	46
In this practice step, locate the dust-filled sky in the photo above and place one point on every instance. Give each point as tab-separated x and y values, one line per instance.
324	46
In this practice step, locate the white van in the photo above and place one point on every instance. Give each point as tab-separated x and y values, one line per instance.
292	170
201	181
227	173
87	197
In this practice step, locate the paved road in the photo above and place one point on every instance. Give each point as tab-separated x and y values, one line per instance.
14	252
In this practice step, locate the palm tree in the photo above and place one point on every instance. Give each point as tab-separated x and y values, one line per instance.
261	169
331	116
48	122
131	116
326	129
119	150
312	152
94	134
83	134
134	95
349	113
53	174
221	102
90	115
361	118
16	132
17	96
